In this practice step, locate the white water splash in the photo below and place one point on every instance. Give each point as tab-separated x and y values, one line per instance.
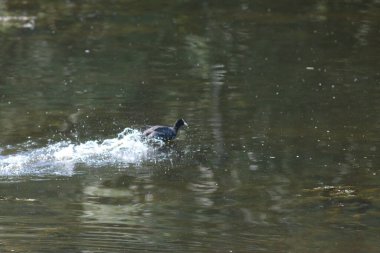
60	158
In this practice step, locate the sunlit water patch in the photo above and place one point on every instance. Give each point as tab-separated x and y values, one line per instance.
60	158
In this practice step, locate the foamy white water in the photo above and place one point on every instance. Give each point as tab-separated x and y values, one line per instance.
60	158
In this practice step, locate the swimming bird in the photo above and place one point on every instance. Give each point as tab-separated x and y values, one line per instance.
165	133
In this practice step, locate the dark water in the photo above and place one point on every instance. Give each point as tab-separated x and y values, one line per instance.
282	152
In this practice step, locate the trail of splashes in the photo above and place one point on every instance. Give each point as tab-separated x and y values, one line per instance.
60	158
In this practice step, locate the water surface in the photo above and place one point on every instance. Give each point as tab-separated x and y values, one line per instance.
282	150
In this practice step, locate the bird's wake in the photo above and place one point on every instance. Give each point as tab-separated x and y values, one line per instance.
60	158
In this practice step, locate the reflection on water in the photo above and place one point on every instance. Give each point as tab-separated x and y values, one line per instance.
17	21
149	210
204	187
281	153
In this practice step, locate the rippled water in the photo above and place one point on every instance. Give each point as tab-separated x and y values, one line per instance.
281	152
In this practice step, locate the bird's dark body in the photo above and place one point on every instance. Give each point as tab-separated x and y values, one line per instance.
164	133
160	132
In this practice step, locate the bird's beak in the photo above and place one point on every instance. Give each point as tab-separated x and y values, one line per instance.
185	124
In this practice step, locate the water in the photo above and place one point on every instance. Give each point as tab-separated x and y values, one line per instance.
281	153
60	158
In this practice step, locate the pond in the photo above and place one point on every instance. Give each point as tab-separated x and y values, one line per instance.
282	149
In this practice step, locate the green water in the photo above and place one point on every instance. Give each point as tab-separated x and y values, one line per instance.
282	149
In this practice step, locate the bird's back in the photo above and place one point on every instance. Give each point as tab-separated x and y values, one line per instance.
160	132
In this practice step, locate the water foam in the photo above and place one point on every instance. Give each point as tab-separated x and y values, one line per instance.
60	158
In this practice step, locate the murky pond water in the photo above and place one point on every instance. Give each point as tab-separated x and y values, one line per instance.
282	149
